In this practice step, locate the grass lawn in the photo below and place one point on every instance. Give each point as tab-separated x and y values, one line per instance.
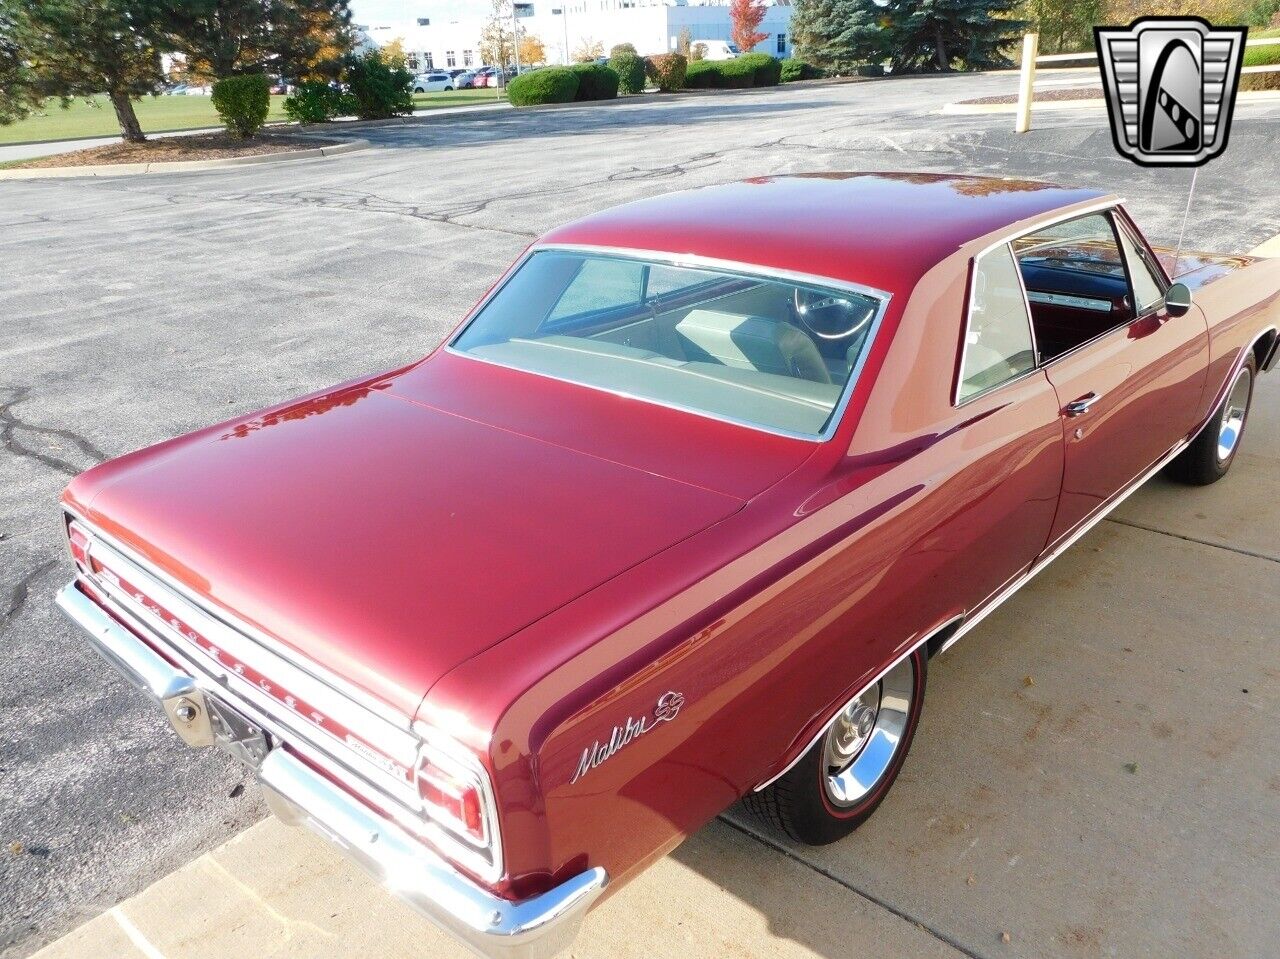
95	118
458	98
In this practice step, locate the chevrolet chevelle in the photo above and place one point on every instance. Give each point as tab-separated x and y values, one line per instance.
677	516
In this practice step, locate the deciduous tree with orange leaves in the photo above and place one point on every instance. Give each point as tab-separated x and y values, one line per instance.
745	15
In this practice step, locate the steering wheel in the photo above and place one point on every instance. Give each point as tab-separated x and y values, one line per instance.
828	316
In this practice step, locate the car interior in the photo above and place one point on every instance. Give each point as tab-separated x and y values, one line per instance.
1080	284
759	351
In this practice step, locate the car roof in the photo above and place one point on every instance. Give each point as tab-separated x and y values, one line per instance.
883	230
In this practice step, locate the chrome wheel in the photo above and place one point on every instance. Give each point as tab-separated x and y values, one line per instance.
865	737
1234	412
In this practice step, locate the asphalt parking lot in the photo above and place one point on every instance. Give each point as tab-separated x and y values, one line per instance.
1097	772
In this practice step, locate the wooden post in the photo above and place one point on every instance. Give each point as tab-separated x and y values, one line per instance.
1027	81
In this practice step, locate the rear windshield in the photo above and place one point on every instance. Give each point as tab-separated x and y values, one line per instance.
762	352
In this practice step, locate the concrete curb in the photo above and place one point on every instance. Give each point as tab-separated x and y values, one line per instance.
1268	248
1248	96
179	166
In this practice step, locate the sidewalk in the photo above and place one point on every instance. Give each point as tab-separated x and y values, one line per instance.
278	893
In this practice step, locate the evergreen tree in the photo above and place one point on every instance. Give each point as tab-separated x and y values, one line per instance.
938	34
63	49
290	38
837	35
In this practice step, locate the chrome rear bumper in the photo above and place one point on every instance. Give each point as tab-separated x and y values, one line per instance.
536	928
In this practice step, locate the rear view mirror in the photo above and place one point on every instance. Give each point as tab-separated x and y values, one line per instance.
1177	299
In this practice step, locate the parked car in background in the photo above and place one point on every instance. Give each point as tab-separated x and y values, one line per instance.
718	49
462	78
178	89
432	82
198	91
676	516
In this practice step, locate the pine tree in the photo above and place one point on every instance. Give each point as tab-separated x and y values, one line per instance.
63	49
838	35
938	34
290	38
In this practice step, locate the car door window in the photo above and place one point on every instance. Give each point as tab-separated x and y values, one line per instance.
998	341
1076	282
1148	291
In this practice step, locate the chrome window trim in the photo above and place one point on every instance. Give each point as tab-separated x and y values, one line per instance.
740	268
229	620
956	402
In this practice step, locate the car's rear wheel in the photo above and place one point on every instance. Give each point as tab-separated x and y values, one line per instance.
845	775
1213	451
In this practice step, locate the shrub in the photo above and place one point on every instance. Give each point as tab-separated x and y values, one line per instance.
595	82
870	70
767	70
667	70
702	75
630	70
242	103
379	90
698	52
721	74
313	102
737	73
793	70
548	85
622	48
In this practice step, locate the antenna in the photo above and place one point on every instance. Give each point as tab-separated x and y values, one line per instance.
1185	213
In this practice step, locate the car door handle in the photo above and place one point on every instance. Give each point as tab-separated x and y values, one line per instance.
1079	407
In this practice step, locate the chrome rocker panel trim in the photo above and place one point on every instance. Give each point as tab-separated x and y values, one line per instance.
496	928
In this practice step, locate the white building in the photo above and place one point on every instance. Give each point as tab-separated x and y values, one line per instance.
566	26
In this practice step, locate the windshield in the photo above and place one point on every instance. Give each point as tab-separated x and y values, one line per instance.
762	352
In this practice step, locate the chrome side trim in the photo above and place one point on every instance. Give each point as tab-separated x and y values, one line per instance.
738	268
987	606
1083	527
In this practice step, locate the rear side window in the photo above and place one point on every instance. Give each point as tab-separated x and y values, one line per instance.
998	344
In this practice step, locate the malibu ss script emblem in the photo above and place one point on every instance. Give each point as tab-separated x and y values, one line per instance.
1171	86
664	712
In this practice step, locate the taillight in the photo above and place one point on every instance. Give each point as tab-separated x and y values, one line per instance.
458	810
452	800
78	539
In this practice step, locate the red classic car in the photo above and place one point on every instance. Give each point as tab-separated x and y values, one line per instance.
677	516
